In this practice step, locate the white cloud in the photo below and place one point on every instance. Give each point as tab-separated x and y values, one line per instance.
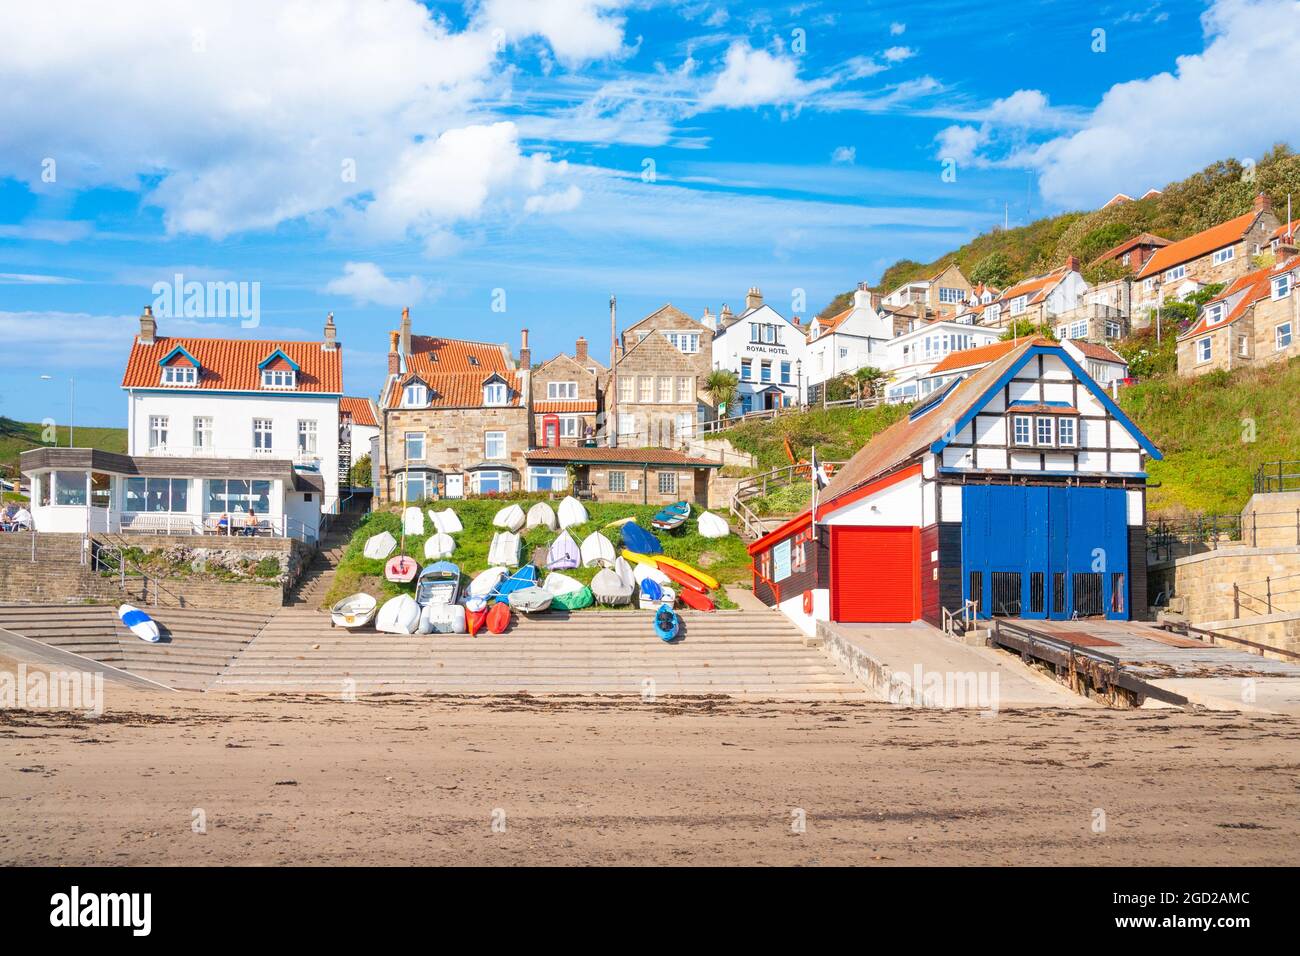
845	155
1004	130
22	278
562	201
896	29
577	30
365	282
1148	132
249	114
757	78
897	54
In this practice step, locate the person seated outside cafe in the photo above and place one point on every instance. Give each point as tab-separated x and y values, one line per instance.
223	524
250	523
21	520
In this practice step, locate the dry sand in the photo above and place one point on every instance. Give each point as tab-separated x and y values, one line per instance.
599	781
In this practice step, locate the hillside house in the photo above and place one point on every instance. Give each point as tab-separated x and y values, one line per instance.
913	357
1038	299
766	351
1132	254
942	295
568	394
655	391
632	475
844	343
454	417
1220	254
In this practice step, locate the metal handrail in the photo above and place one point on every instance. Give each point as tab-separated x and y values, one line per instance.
123	566
1278	476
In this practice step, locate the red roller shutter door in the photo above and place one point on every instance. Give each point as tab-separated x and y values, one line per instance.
875	574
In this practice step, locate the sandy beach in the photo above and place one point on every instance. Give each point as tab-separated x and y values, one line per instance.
224	779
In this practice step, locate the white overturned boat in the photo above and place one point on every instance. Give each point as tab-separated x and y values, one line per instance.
485	582
511	517
572	512
139	623
355	610
597	551
446	521
504	549
380	546
712	526
439	546
542	515
400	615
413	521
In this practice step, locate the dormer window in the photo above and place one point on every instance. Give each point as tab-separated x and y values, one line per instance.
494	393
1018	304
415	395
279	378
180	375
1214	313
473	360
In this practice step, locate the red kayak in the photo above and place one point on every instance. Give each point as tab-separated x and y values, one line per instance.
701	602
498	617
475	620
685	580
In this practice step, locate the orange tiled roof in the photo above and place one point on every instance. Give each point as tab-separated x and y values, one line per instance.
830	325
1286	228
1036	287
564	407
455	370
1141	239
362	410
1255	286
982	354
1099	352
1201	244
232	364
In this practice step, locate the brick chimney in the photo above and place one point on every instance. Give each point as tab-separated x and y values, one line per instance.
725	315
525	353
406	332
394	360
753	298
794	319
707	319
580	351
1262	203
331	334
148	326
1072	263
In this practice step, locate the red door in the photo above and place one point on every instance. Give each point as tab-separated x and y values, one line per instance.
551	431
875	574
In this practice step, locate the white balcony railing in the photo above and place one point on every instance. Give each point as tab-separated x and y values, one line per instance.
299	459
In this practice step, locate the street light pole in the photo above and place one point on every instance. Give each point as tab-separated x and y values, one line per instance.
72	398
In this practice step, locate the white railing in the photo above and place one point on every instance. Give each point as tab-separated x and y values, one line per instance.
299	459
274	526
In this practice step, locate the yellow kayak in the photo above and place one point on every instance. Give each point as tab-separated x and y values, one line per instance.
707	580
640	558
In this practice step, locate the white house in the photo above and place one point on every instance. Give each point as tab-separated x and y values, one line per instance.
766	351
853	339
214	427
914	354
1103	364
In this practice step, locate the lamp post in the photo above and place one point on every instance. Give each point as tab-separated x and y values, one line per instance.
798	377
72	394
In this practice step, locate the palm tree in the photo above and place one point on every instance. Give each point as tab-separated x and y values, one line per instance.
721	386
868	379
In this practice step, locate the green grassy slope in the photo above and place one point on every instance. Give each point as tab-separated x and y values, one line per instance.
17	437
1220	191
724	558
837	433
1215	431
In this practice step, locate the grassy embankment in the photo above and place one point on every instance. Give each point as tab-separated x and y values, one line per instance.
724	558
17	437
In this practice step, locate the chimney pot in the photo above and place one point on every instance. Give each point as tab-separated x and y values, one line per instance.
753	298
394	360
525	353
580	350
1072	263
331	334
406	330
1262	202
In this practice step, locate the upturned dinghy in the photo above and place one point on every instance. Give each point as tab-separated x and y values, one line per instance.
439	546
380	546
525	577
638	539
672	517
564	553
511	517
666	596
139	623
712	526
439	583
530	600
400	615
558	583
572	512
413	521
624	572
649	572
667	623
485	582
442	619
401	569
542	515
574	600
504	549
446	521
597	551
355	610
609	588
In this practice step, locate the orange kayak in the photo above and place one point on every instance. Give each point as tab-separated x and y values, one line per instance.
498	617
475	620
695	599
687	581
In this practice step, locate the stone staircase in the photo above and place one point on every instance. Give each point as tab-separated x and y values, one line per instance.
752	653
314	584
197	644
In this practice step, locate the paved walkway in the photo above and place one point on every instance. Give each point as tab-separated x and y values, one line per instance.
888	658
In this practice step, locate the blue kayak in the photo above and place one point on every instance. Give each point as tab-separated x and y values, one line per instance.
666	623
639	540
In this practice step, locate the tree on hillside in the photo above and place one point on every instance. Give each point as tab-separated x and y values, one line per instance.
359	473
994	269
869	379
721	387
1024	329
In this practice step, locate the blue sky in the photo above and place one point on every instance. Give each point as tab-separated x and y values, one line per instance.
543	154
